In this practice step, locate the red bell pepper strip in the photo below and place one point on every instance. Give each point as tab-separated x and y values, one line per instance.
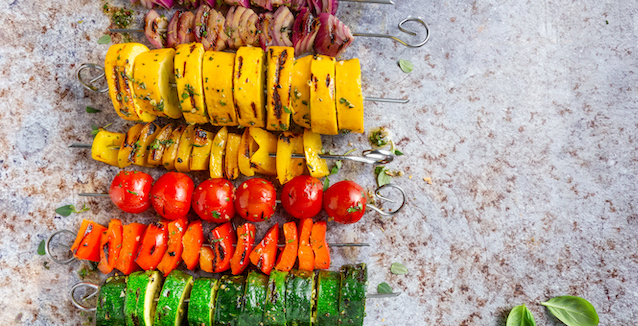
288	256
319	245
173	255
131	239
306	256
222	241
192	241
265	253
110	245
153	247
87	243
245	243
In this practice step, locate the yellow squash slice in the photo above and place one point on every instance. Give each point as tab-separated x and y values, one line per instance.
170	153
246	146
182	162
118	69
267	142
153	75
287	167
349	96
280	61
323	113
106	146
147	136
300	91
200	155
218	88
232	152
159	145
248	86
188	77
312	148
126	155
216	166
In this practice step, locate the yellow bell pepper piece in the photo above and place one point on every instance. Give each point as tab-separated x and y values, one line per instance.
170	153
218	88
182	163
300	91
126	155
118	69
246	147
232	153
323	111
106	146
278	78
349	96
248	86
287	168
153	75
147	136
313	147
188	77
200	155
159	145
216	166
267	143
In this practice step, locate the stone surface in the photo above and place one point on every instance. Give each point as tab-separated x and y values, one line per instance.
523	114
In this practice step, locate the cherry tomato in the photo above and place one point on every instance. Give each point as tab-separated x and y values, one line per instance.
171	195
301	197
130	191
255	200
213	200
345	201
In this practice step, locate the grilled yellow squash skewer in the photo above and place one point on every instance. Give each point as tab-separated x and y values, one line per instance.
278	78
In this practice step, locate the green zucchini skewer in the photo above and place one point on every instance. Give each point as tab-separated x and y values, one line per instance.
171	308
201	307
352	301
275	307
328	287
254	300
141	291
110	302
300	288
230	297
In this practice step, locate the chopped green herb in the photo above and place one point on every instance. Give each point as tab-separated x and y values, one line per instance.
326	184
41	250
406	66
92	110
68	209
380	137
131	192
105	39
398	152
398	269
216	214
384	288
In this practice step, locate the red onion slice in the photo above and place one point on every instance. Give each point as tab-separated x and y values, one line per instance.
266	4
323	6
241	27
231	27
248	28
185	32
201	16
153	23
281	27
243	3
297	5
209	28
167	4
147	3
304	31
188	4
265	39
171	33
333	37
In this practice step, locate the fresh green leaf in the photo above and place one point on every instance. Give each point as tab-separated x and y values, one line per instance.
378	169
406	66
384	288
338	164
334	170
398	269
41	250
105	39
383	178
520	316
573	311
68	209
96	129
326	184
92	110
398	152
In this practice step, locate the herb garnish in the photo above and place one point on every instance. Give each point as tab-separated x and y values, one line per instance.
406	66
384	288
398	269
92	110
68	209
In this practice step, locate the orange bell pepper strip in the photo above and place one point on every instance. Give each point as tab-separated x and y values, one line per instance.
245	243
288	256
306	256
223	241
87	243
319	245
153	246
173	255
192	241
265	253
110	246
131	239
206	257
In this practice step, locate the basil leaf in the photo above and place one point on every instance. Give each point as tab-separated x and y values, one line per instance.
92	110
41	250
398	269
383	178
65	210
326	184
406	66
573	311
520	316
105	39
384	288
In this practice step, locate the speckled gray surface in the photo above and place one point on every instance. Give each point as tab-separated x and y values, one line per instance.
522	113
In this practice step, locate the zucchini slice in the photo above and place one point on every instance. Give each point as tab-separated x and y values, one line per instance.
201	307
230	299
141	292
328	285
352	302
110	302
171	307
300	288
254	299
275	308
